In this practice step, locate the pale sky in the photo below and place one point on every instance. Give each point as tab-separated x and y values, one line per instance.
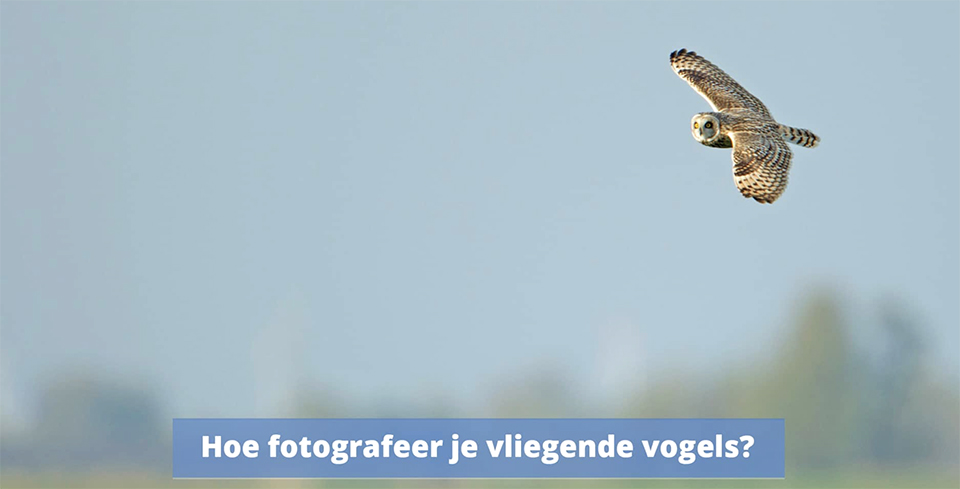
403	196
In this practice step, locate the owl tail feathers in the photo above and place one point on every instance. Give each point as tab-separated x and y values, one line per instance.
800	137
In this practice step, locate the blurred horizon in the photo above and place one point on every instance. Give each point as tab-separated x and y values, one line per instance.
255	209
850	404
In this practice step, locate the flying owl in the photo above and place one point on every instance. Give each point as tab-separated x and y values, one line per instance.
761	157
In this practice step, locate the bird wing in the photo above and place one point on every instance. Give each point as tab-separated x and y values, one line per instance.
722	91
761	162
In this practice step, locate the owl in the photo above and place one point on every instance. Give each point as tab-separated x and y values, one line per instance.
761	157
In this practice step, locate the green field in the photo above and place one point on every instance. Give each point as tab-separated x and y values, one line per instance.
865	478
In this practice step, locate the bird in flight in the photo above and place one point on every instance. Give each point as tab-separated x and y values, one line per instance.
761	157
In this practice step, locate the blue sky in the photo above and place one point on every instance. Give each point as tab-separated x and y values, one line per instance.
396	197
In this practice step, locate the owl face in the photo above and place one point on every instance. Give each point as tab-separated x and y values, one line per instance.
705	128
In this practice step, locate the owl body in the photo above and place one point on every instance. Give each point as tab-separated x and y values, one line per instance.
761	157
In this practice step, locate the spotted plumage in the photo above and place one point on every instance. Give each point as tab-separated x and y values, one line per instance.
761	157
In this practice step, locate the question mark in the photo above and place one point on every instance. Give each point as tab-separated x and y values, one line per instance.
749	443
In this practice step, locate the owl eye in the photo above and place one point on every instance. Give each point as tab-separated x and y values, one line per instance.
696	125
708	125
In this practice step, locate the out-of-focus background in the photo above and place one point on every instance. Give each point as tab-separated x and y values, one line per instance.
475	210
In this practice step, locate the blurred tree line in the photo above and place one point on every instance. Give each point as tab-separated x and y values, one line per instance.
85	421
844	405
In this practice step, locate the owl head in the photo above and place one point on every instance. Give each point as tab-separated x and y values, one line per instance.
705	128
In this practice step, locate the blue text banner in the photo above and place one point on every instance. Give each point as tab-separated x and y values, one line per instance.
478	448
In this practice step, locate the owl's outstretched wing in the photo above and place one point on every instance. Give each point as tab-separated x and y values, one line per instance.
761	162
722	91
